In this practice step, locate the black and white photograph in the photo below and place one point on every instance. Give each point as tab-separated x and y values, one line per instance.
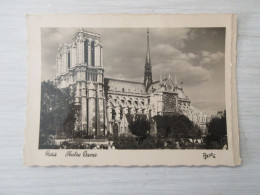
155	90
133	88
130	97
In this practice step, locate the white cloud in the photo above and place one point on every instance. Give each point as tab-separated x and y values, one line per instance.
211	58
191	54
172	60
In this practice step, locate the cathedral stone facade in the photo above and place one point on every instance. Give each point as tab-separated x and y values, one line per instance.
108	105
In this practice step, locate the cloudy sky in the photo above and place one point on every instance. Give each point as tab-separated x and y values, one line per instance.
195	55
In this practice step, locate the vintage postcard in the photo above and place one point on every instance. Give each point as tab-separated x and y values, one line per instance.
132	90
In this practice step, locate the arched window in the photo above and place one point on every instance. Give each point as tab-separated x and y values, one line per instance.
121	113
113	113
69	59
136	110
86	51
93	53
91	76
95	76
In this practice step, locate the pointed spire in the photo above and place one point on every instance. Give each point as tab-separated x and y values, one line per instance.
148	68
148	48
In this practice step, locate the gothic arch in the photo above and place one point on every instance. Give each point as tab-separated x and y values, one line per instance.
136	103
113	103
113	113
109	103
122	102
129	102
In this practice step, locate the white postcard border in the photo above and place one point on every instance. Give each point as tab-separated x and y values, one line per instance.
34	156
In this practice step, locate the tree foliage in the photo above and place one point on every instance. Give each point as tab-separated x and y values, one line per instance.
194	133
150	142
139	127
58	112
217	132
177	126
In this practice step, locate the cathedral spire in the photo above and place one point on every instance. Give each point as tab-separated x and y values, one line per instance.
148	67
148	48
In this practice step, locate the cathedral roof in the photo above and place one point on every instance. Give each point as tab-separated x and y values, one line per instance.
182	95
160	86
153	86
117	85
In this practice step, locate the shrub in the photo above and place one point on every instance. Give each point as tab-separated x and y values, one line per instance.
217	129
148	143
125	142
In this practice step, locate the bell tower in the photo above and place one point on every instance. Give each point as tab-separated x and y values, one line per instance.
148	67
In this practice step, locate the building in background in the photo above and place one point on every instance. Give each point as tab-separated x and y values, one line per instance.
108	105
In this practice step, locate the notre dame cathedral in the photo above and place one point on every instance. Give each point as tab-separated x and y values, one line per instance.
109	104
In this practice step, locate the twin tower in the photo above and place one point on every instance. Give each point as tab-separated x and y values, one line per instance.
79	65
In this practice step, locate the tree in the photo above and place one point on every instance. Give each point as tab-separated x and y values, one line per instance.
58	112
217	131
177	126
194	133
139	127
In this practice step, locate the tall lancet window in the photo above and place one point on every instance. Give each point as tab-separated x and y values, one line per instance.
95	77
93	53
87	76
69	59
86	51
